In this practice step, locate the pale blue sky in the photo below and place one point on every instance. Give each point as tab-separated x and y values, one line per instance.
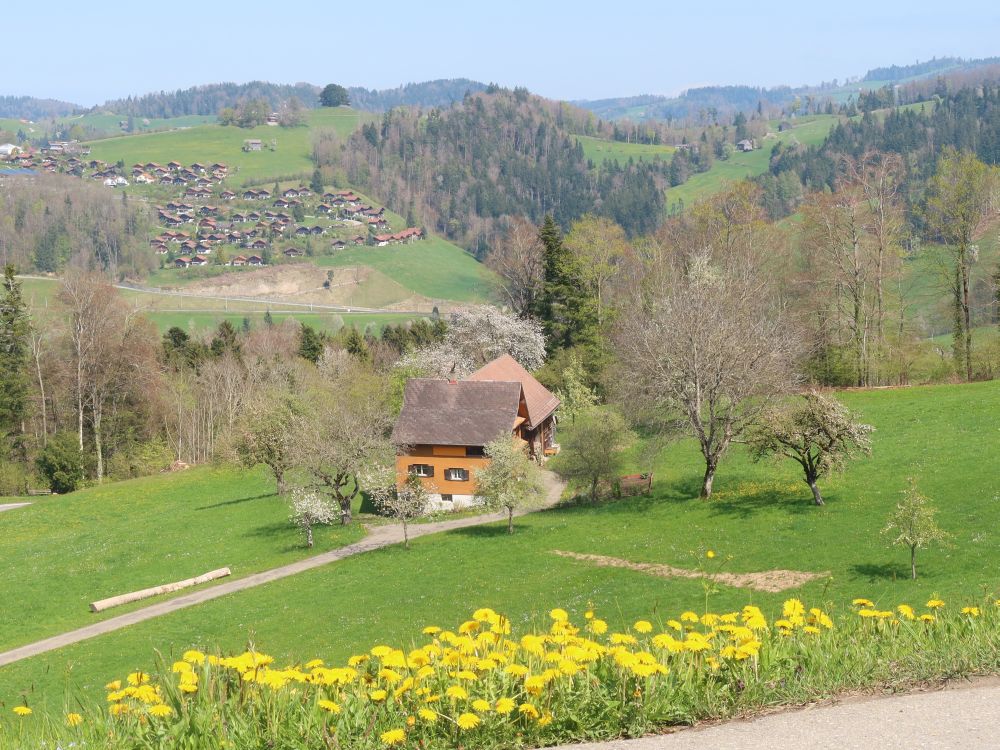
90	52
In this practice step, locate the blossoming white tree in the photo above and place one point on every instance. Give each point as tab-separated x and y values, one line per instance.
476	336
404	503
310	509
510	481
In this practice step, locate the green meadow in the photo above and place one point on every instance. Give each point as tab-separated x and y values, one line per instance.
761	519
599	150
809	131
211	143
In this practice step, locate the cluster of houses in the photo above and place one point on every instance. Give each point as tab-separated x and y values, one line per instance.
196	177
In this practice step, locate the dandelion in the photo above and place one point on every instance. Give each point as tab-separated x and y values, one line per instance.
526	709
545	720
642	626
314	663
906	611
468	721
505	706
22	711
597	627
935	604
864	603
559	615
972	611
194	657
329	706
73	720
427	715
160	711
481	705
393	736
378	695
115	685
456	692
118	709
431	630
710	554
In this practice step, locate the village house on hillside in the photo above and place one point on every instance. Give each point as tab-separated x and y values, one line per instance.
445	425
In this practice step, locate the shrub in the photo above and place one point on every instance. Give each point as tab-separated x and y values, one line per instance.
61	462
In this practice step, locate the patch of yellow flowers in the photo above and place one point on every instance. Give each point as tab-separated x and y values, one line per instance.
483	680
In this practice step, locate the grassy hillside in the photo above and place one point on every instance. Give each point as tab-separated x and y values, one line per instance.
125	536
434	268
760	520
195	314
210	143
599	150
808	130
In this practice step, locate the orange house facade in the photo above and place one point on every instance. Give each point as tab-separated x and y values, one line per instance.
445	425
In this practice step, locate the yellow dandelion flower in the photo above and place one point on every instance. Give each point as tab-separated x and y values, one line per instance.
456	692
526	709
118	709
861	602
973	611
597	627
589	614
623	638
378	695
314	663
689	617
710	554
642	626
22	711
329	706
160	711
906	611
516	670
357	659
188	688
393	736
811	630
115	685
193	657
935	604
545	720
481	705
505	706
467	721
927	618
73	720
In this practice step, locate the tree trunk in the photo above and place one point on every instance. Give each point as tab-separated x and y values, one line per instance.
913	562
967	318
706	485
279	476
817	497
98	441
345	511
510	519
309	535
406	534
593	490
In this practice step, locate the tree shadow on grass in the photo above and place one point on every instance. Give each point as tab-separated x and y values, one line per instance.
746	499
236	501
487	531
879	573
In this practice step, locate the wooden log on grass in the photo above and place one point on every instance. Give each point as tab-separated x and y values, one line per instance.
116	601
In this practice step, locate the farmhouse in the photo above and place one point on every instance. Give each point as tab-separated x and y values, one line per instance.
745	145
445	425
292	252
253	144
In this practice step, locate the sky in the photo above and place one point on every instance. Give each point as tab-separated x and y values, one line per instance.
564	50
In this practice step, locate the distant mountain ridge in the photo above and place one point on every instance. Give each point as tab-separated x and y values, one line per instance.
724	101
208	99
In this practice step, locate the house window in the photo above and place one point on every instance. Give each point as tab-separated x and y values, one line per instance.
422	470
475	450
446	498
456	475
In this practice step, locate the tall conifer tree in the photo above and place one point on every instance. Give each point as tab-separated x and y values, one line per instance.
14	346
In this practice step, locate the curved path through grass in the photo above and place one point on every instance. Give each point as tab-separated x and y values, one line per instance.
381	536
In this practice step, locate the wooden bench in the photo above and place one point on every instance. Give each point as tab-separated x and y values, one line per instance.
635	484
36	493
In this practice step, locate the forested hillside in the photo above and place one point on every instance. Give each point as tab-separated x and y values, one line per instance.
58	222
440	93
30	108
465	171
967	119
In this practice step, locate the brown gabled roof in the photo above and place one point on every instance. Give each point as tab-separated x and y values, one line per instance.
541	402
444	412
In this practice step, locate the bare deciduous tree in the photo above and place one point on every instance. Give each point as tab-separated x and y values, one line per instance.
710	343
518	261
